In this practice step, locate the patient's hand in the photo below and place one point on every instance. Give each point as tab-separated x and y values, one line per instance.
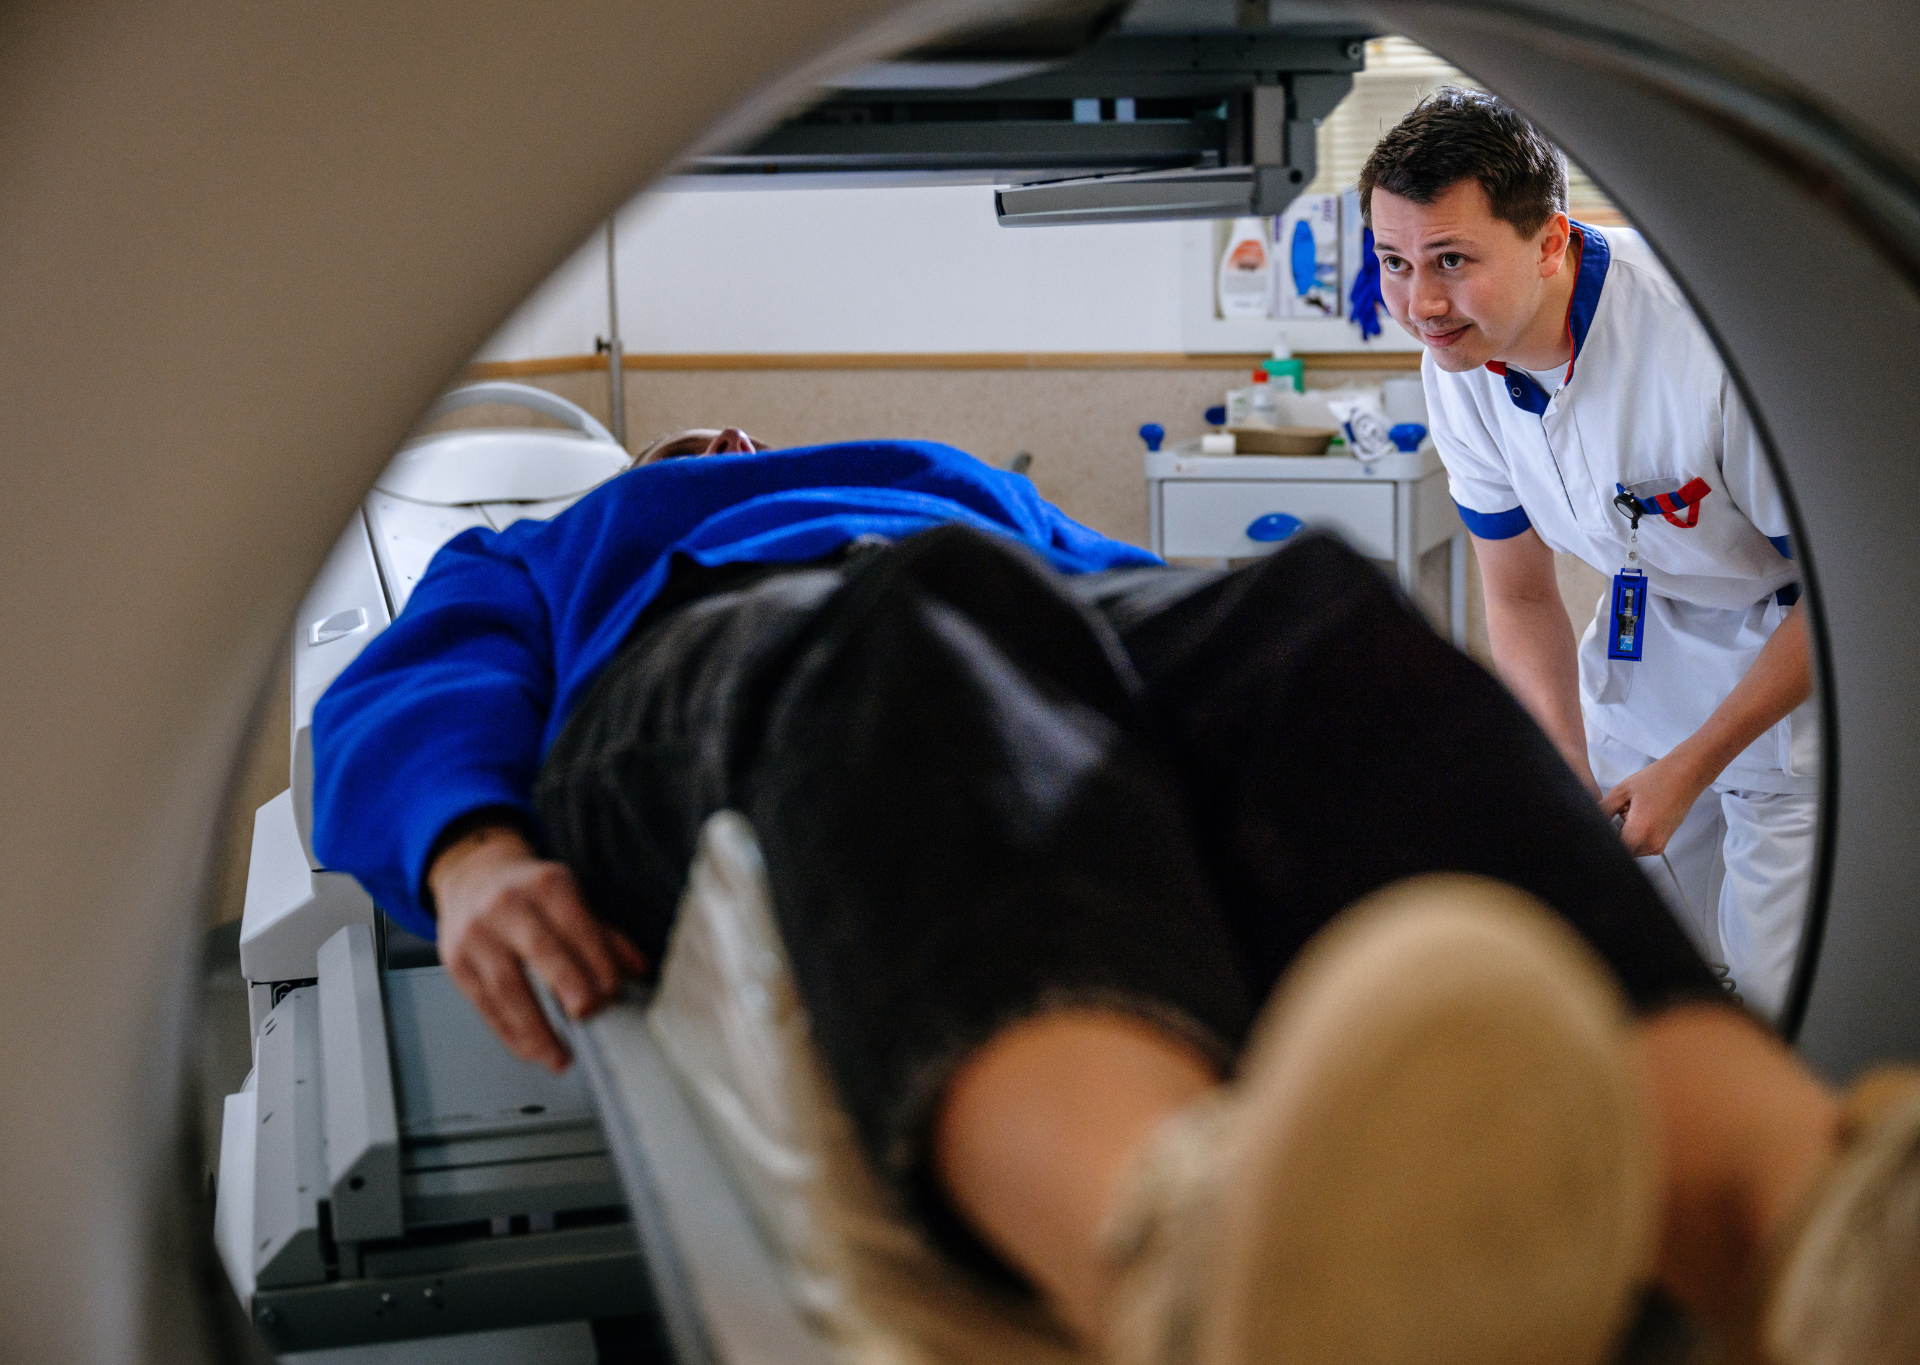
502	910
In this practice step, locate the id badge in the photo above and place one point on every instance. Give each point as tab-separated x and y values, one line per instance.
1629	618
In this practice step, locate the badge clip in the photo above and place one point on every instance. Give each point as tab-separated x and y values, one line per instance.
1629	618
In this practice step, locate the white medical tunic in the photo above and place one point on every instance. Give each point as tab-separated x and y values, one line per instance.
1645	405
1646	401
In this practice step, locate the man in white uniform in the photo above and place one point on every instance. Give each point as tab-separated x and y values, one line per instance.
1579	406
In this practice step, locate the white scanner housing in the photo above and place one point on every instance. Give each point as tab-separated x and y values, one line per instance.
436	487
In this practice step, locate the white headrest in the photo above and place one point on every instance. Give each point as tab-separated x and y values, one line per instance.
455	468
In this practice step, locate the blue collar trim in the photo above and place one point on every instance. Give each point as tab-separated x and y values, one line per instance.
1523	389
1595	256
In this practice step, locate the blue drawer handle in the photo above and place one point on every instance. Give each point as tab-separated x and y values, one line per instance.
1273	526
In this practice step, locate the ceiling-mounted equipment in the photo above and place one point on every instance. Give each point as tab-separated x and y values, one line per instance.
1140	122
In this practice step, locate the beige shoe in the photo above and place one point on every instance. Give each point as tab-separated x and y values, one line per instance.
1846	1290
1437	1153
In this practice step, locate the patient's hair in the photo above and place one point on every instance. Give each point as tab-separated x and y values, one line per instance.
1456	134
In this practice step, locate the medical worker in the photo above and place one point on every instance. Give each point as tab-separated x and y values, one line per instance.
1579	407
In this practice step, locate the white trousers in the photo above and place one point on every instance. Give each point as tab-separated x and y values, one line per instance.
1741	865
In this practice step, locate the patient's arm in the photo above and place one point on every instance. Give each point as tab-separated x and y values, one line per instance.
503	909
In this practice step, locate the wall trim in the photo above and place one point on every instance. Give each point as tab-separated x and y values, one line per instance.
937	360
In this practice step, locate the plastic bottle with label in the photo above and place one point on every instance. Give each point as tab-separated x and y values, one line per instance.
1246	271
1255	405
1262	407
1287	368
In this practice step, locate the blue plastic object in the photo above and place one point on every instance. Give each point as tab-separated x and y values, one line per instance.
1407	436
1216	416
1363	302
1153	434
1306	258
1626	639
1273	526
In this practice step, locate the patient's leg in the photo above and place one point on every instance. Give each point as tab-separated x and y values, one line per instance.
989	892
1042	1128
1331	743
964	833
1745	1132
1437	1123
982	845
1039	1132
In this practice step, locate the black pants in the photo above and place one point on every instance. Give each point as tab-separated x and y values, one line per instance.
983	789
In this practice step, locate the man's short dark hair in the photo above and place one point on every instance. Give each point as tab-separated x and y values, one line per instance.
1456	134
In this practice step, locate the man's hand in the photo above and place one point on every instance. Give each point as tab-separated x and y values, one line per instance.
1654	801
1657	798
502	910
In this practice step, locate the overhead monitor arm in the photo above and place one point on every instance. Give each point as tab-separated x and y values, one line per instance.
1139	124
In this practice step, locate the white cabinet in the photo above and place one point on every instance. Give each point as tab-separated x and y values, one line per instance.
1218	518
1237	506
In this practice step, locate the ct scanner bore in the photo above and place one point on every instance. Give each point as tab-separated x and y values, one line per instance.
248	244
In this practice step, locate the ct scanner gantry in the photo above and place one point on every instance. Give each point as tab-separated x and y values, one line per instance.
252	243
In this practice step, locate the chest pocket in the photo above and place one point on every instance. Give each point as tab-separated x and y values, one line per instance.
1677	501
1684	527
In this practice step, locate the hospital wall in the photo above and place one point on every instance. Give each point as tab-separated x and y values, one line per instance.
734	305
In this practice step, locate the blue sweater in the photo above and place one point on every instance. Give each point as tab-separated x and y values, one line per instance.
451	709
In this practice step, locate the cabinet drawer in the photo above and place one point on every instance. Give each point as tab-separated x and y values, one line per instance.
1208	518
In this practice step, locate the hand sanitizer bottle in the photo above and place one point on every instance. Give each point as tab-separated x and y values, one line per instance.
1246	271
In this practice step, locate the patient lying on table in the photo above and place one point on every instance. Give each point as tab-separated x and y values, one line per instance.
1221	955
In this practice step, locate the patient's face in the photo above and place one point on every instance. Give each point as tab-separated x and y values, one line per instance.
701	441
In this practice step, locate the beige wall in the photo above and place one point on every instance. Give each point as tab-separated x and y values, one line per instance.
1079	425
